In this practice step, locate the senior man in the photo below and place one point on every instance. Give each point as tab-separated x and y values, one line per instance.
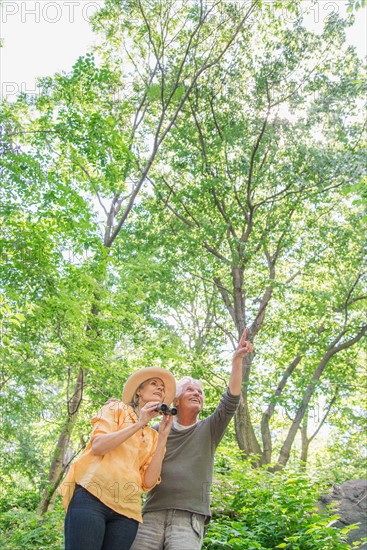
175	511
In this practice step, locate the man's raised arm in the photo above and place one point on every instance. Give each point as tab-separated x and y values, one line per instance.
243	348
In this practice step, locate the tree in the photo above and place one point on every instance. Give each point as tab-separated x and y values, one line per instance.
259	198
94	134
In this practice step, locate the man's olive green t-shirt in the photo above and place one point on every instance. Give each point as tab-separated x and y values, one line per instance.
187	469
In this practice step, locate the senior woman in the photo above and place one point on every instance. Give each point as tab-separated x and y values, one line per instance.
102	490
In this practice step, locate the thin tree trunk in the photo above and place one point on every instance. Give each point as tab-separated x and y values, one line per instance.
305	442
332	350
58	463
265	421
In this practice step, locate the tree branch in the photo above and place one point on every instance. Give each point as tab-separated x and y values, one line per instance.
328	409
226	299
332	350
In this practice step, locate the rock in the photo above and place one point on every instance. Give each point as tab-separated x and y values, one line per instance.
351	504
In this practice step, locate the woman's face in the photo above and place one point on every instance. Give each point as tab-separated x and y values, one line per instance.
151	390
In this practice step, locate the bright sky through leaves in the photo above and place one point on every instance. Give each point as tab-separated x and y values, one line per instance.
47	36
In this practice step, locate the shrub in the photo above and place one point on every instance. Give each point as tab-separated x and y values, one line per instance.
21	529
257	509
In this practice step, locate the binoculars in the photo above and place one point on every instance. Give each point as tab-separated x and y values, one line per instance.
165	409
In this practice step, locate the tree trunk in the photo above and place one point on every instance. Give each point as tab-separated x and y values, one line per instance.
59	464
265	421
289	440
245	433
332	350
305	442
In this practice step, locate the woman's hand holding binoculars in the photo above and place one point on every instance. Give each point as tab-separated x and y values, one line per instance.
148	412
165	426
165	409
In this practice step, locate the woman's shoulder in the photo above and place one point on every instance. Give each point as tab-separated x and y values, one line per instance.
114	408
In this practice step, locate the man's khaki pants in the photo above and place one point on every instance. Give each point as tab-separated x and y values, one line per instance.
170	530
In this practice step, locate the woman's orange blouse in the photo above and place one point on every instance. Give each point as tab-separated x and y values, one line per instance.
116	478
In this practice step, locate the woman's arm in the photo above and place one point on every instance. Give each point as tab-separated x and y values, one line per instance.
153	471
104	443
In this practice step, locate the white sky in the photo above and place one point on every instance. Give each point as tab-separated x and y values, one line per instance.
41	37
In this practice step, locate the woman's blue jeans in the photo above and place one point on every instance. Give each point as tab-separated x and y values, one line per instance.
91	525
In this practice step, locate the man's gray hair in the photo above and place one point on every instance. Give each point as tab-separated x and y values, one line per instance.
186	381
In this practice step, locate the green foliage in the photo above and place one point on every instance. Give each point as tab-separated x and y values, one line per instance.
356	5
258	509
252	509
256	163
20	526
21	529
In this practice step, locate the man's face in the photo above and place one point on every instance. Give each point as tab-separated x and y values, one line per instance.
191	398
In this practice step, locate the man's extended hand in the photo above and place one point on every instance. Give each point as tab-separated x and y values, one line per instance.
244	346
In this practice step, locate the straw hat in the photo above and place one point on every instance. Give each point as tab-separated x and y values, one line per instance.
142	375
